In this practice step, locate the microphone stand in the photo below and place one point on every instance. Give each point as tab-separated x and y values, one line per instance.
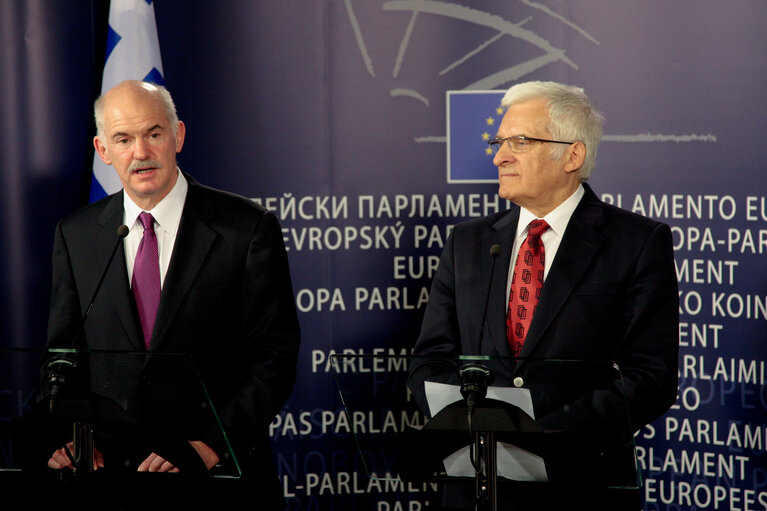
64	368
475	378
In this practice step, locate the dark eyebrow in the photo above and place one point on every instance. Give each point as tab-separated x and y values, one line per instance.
124	134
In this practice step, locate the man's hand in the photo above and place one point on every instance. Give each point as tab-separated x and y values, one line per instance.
156	463
60	460
208	455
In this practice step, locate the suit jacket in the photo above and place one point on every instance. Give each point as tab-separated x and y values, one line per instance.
611	295
227	301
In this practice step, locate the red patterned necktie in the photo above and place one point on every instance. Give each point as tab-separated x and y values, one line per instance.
526	285
146	278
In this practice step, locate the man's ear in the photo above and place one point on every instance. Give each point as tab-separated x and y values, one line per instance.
576	155
180	136
101	149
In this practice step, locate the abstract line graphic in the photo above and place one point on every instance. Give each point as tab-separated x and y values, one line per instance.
484	80
650	137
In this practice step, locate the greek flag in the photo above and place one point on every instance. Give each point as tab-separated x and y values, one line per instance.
473	118
133	53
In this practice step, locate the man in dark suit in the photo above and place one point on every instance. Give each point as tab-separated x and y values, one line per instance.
603	287
219	290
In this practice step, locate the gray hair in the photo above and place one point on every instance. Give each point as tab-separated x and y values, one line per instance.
150	88
572	117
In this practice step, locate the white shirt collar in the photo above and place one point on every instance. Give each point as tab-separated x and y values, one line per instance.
167	212
557	219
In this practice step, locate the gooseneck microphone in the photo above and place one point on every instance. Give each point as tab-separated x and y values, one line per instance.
475	377
62	368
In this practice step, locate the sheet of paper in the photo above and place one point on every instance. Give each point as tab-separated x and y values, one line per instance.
513	463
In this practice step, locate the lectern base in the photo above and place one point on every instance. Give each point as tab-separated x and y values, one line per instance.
530	496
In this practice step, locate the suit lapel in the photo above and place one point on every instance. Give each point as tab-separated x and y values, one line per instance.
116	288
502	233
193	242
578	249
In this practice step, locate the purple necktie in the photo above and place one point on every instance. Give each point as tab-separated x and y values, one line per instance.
146	278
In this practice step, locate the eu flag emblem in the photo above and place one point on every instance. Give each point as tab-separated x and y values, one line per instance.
472	119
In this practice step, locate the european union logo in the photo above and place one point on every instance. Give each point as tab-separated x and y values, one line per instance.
472	119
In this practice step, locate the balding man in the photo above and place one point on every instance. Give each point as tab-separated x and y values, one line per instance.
202	272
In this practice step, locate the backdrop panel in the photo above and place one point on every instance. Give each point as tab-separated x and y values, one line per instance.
334	114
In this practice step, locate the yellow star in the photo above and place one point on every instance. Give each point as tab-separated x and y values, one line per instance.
486	136
490	121
489	151
499	111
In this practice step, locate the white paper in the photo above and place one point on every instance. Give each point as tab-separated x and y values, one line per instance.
513	462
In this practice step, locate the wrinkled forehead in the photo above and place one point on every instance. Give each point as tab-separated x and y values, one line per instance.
528	118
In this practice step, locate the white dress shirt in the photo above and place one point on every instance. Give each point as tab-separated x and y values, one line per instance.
551	238
167	217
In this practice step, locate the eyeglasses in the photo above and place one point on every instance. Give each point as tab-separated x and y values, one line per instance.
519	143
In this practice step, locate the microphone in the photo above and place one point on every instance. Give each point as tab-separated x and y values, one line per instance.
476	377
62	368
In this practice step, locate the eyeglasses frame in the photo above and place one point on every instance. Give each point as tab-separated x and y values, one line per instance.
499	141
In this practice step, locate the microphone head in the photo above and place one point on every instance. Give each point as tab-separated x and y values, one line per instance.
122	231
495	250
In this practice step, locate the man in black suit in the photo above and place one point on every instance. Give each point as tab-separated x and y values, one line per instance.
608	288
226	294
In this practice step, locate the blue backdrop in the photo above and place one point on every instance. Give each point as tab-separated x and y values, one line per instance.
334	114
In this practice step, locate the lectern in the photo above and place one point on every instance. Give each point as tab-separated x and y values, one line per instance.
88	420
579	452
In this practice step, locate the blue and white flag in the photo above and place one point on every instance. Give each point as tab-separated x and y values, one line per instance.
473	118
133	53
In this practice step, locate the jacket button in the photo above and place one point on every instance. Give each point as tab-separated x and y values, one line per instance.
518	382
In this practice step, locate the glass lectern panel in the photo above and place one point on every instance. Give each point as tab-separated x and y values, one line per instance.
124	405
552	420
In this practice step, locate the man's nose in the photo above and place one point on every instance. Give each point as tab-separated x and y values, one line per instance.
504	155
140	149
